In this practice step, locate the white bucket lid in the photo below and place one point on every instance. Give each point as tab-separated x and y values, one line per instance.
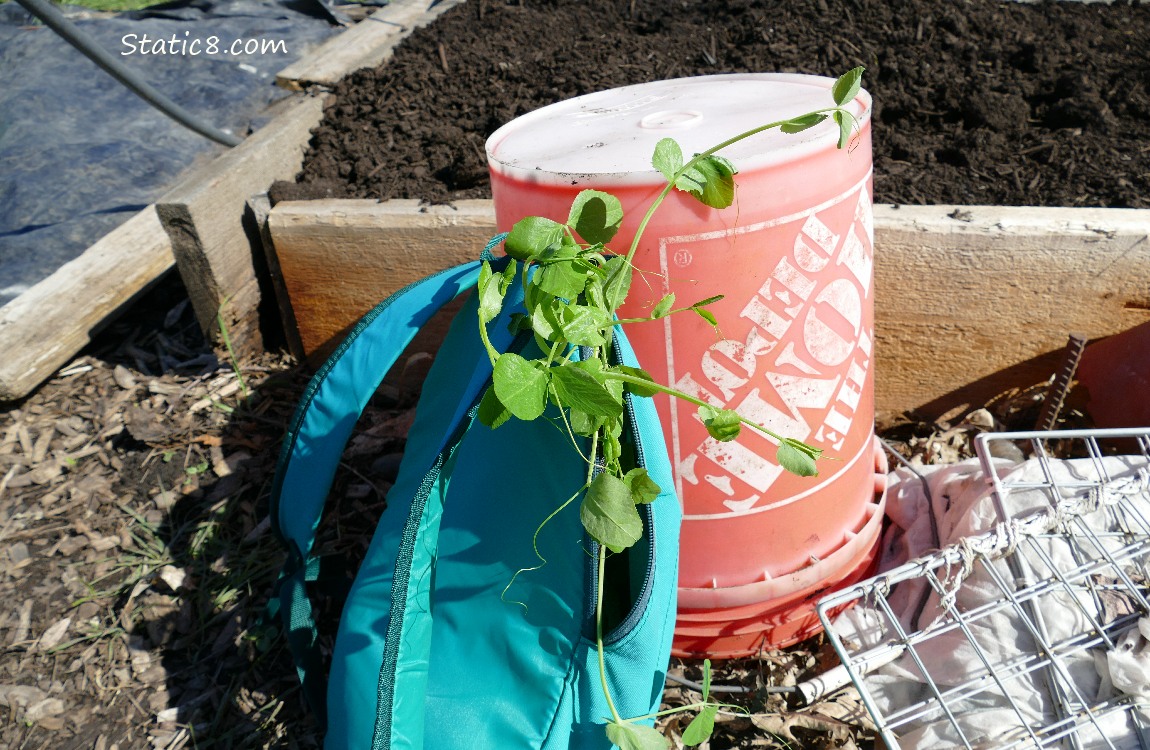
609	136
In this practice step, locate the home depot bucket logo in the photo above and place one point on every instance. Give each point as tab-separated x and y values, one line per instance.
795	355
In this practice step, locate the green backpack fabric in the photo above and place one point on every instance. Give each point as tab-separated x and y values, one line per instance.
431	651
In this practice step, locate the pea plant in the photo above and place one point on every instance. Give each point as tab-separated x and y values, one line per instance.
573	285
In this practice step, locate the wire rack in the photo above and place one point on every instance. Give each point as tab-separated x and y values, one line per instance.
1021	635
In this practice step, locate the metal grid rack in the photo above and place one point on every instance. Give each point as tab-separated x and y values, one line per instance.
1022	618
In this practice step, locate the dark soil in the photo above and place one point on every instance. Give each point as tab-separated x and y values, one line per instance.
976	101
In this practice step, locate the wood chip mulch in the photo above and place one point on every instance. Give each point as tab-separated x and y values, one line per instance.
136	557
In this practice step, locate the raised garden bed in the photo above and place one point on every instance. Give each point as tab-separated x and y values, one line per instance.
978	104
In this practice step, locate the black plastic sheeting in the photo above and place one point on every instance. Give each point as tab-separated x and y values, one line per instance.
80	154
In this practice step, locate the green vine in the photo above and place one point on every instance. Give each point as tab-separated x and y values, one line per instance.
573	285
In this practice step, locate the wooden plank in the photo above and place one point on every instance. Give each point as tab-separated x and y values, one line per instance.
338	258
49	323
364	45
973	300
204	217
966	307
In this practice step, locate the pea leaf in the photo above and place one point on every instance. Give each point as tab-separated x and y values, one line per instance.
544	318
706	315
595	295
797	460
711	180
668	158
644	489
612	449
628	736
700	728
579	385
583	423
534	297
847	86
508	277
615	388
663	309
490	294
529	237
565	278
608	513
583	325
596	216
520	386
799	124
492	412
844	128
636	372
618	281
722	424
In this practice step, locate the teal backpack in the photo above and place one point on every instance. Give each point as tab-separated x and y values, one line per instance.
431	651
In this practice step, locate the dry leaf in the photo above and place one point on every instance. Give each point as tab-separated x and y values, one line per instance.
126	613
45	708
173	577
53	635
782	724
20	695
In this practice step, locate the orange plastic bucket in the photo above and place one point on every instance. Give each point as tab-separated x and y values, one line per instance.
743	620
793	257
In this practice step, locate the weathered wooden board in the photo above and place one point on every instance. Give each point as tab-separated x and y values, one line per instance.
365	45
45	326
970	301
338	258
204	218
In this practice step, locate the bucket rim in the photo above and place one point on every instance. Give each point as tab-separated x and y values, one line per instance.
860	542
650	176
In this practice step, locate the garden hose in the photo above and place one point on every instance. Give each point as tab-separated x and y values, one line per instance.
55	20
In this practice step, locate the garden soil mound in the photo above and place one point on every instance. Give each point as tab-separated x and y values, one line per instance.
976	102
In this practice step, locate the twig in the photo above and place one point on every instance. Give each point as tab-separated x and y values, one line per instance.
443	58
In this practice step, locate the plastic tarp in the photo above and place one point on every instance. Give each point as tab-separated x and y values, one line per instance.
80	154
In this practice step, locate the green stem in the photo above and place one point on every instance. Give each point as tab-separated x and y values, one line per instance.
491	353
676	311
599	635
695	160
655	386
675	710
591	464
651	211
555	347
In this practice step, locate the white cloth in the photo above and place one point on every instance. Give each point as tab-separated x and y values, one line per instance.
964	508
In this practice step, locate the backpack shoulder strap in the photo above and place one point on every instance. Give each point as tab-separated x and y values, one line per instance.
317	436
337	395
